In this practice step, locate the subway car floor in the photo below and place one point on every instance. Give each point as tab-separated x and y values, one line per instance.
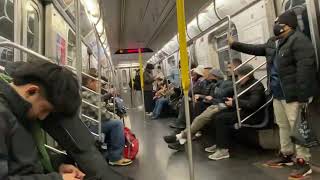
157	162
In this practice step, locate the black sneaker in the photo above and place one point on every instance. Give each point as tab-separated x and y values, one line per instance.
178	125
302	170
170	139
281	161
176	146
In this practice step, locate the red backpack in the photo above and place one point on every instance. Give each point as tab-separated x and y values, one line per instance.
131	147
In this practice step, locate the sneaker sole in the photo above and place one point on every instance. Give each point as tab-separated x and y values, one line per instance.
116	164
279	166
208	151
304	176
220	158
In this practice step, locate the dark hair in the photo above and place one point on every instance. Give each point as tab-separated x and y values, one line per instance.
236	62
150	66
86	79
59	84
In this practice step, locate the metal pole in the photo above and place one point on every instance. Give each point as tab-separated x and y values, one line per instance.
181	21
78	43
233	75
142	83
131	80
99	82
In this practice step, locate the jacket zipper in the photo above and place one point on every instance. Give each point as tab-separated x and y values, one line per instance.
277	55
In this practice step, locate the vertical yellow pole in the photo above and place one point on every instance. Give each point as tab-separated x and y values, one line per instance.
184	63
142	83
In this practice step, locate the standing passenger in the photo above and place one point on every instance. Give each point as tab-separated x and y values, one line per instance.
291	68
148	87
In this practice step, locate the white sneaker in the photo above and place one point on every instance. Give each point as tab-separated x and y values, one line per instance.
211	149
220	154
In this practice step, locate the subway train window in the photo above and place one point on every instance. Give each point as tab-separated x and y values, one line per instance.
32	27
71	47
124	78
223	51
7	25
6	19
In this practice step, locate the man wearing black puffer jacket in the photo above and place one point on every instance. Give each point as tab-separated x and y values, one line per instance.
291	68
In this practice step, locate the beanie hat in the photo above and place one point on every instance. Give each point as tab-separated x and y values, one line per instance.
288	18
245	69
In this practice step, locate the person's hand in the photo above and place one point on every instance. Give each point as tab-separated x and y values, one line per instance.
208	98
69	176
230	40
70	169
229	102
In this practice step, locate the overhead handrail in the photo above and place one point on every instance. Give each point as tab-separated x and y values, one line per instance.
245	62
90	118
251	72
233	74
258	81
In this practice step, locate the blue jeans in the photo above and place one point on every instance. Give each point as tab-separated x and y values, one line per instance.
160	103
114	138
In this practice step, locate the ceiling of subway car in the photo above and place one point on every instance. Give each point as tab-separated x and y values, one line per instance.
142	23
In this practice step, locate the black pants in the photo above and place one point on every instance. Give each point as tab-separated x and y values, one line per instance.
224	122
148	101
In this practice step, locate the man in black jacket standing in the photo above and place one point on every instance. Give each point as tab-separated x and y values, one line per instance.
291	68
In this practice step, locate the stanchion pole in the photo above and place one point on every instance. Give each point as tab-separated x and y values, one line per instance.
185	77
142	83
78	44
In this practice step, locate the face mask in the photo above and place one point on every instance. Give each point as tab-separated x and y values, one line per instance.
278	29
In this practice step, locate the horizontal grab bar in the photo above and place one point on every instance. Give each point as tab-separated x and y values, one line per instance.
268	102
87	89
55	150
251	72
86	102
245	62
244	91
90	118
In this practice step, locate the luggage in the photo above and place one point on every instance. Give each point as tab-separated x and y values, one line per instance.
131	148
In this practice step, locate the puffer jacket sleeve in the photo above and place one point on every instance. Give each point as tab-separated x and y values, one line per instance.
253	49
305	58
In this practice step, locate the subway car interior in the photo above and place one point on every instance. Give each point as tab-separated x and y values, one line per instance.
157	69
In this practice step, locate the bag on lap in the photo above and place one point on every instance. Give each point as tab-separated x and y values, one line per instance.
131	148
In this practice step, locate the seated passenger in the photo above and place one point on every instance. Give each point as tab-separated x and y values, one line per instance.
35	90
223	89
162	99
224	120
197	77
112	128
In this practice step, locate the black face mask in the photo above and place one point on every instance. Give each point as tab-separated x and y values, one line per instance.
278	29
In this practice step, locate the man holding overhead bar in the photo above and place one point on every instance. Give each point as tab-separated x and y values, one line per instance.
291	69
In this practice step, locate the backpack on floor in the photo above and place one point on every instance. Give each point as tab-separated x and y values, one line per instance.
131	147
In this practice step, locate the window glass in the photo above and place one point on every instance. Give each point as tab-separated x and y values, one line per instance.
33	24
124	78
7	27
71	47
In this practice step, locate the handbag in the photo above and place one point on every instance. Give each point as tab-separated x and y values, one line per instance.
303	133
